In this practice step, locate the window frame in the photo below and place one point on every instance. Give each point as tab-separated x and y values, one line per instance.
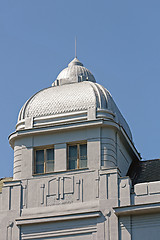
44	148
78	154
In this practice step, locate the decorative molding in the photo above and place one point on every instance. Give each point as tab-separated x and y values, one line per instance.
97	186
60	190
12	183
137	209
42	193
59	233
9	197
78	183
43	219
82	190
52	187
56	127
9	231
24	190
68	184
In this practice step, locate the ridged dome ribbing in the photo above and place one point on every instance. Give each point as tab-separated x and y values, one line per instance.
71	94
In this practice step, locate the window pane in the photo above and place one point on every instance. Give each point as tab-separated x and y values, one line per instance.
39	161
39	168
72	157
50	154
50	166
83	156
50	160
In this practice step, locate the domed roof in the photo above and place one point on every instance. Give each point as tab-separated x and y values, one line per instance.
66	102
65	99
75	72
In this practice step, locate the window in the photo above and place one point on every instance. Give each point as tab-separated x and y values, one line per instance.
77	156
44	160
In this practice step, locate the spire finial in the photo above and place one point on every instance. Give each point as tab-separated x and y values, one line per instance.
75	47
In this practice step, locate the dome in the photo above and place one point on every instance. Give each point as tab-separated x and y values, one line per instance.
69	100
75	72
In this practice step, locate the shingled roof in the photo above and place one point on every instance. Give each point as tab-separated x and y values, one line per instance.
2	180
144	171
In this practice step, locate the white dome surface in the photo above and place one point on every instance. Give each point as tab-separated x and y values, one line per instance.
69	98
61	99
72	97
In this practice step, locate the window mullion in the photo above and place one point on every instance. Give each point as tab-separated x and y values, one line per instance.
78	156
67	156
45	160
35	170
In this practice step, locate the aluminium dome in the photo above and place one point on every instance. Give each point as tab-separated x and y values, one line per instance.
70	98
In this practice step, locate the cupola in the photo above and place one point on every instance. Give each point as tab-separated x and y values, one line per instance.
75	72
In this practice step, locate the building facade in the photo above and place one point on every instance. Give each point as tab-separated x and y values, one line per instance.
77	174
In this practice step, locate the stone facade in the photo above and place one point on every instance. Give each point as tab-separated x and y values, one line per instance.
98	202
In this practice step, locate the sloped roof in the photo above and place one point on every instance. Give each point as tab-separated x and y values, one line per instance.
2	180
144	171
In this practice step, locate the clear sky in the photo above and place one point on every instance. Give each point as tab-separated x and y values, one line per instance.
117	40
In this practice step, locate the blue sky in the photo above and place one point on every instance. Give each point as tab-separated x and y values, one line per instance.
119	41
